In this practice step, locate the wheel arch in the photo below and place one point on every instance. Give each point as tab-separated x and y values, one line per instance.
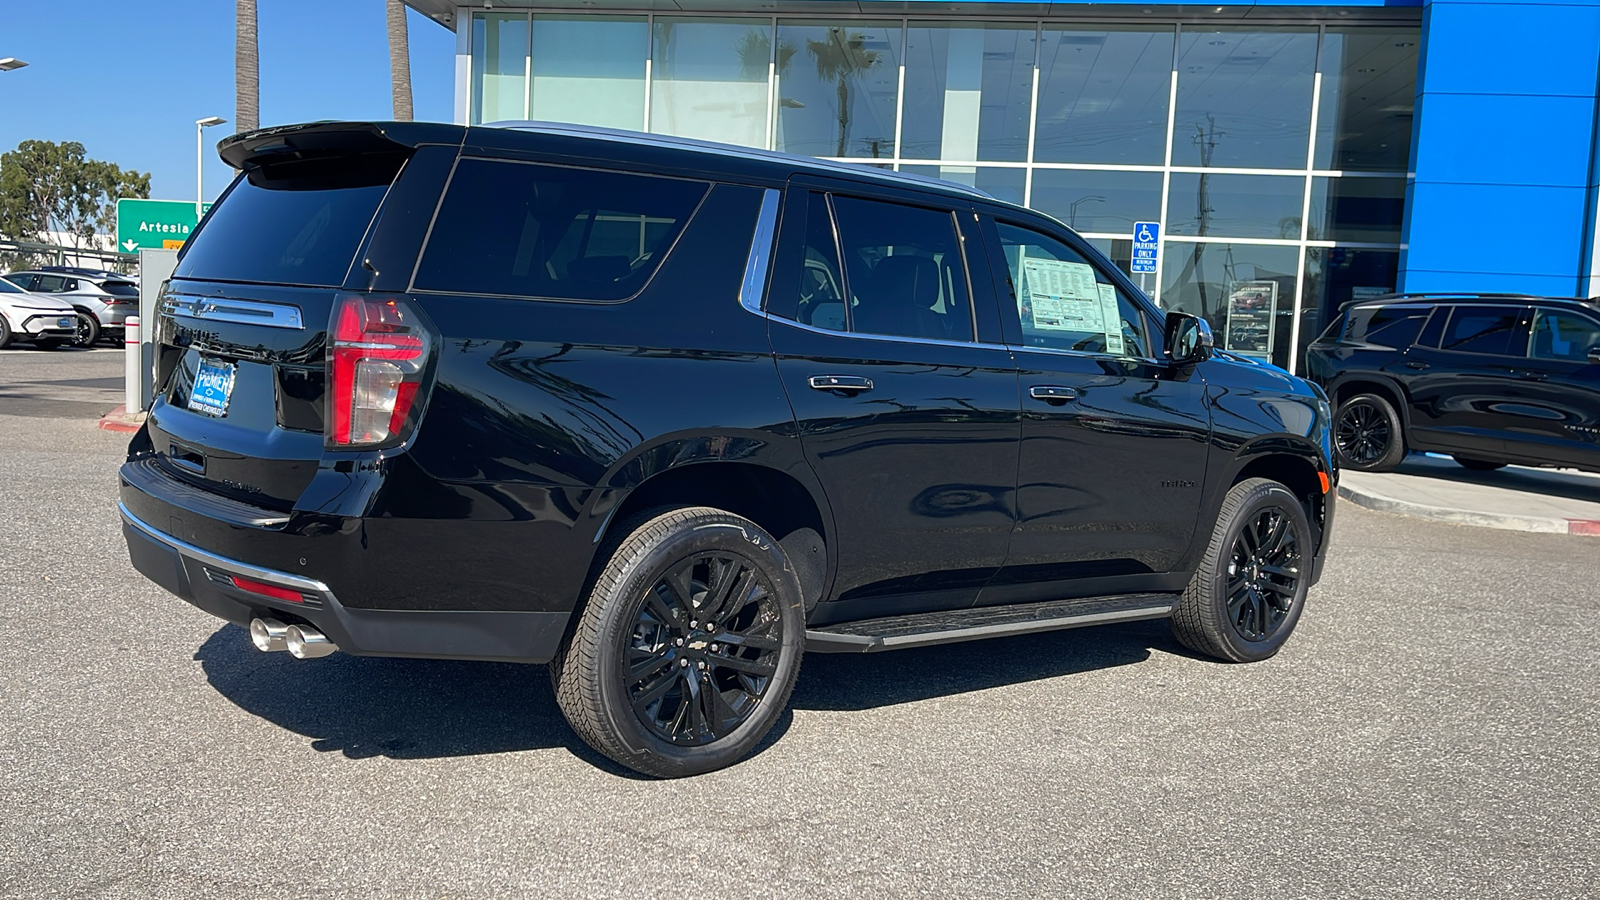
1348	386
791	510
1294	463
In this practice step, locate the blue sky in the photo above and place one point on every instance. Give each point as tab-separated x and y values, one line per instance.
127	80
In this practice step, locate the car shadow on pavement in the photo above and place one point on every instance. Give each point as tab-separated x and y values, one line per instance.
367	707
1565	484
865	681
396	708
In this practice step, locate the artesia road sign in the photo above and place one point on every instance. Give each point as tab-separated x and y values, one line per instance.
159	224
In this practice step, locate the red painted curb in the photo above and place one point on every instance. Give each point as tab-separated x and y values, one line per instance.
118	420
1583	526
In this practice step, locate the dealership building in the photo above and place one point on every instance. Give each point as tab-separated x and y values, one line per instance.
1295	157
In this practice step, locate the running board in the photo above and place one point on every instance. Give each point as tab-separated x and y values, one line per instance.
953	626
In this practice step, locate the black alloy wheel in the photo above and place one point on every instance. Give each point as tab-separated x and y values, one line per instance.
87	332
688	645
704	648
1366	434
1263	575
1250	589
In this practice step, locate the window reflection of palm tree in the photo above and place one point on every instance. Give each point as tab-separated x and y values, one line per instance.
841	57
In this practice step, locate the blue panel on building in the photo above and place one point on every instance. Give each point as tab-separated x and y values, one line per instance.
1488	283
1507	140
1476	48
1496	229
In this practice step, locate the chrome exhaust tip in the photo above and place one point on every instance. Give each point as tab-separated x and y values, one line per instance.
306	642
269	635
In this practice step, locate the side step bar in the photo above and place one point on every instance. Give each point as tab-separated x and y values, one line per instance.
953	626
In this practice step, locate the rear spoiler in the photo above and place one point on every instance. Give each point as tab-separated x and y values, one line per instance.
295	142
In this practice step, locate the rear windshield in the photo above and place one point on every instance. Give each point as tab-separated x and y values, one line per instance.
120	288
291	223
526	230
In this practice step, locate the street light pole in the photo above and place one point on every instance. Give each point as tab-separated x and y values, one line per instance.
200	125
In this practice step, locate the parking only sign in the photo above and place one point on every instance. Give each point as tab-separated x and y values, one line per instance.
1146	246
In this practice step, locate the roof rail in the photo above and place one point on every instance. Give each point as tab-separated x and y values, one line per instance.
809	162
1462	295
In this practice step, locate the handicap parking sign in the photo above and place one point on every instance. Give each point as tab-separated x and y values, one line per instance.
1146	246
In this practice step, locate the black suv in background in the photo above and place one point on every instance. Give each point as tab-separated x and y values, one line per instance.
1490	379
665	414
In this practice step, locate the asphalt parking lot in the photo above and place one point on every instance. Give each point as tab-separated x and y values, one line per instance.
1431	731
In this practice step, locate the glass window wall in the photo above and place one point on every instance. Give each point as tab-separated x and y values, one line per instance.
1244	97
1096	200
839	88
1261	206
968	91
589	70
1369	89
1103	94
1266	255
710	78
500	67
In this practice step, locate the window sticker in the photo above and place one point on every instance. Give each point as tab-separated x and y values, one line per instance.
1111	316
1064	297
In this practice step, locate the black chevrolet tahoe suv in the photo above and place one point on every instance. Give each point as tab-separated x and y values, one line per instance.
666	414
1491	379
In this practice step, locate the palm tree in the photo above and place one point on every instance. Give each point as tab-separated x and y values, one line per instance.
246	63
839	58
399	60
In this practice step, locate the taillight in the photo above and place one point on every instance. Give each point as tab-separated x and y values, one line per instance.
376	353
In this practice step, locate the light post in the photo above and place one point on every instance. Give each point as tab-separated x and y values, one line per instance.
11	62
1072	208
200	125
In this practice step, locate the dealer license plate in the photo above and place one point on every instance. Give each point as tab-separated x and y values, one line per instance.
66	323
213	384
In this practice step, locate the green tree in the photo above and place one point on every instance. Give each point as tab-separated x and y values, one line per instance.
48	188
841	57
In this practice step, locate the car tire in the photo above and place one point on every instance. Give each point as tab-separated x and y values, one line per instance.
1367	434
1247	595
663	672
5	333
1477	465
49	343
88	333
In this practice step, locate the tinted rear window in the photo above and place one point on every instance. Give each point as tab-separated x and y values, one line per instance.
291	223
120	288
527	230
1390	326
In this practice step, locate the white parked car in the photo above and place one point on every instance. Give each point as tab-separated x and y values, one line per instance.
102	304
47	321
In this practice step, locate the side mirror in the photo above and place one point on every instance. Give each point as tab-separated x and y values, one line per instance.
1189	340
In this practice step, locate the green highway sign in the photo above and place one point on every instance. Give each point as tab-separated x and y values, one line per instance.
154	224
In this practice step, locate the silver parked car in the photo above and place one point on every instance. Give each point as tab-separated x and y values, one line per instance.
45	320
102	304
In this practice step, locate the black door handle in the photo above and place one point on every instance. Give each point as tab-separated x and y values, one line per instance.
1533	376
1053	393
844	384
1416	365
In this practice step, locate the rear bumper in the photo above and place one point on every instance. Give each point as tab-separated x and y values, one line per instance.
203	579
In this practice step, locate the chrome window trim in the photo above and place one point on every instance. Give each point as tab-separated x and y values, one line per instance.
754	286
243	312
184	548
1081	354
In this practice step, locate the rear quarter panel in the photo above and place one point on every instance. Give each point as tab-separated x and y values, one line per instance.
545	414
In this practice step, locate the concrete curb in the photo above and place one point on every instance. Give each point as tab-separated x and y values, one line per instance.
119	420
1542	524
